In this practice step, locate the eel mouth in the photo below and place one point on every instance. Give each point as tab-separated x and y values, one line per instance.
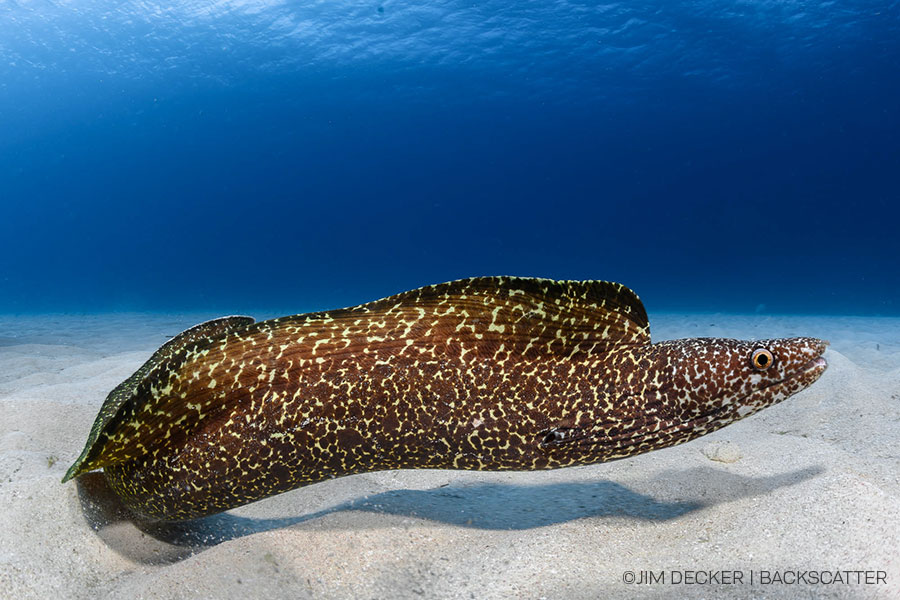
818	364
814	367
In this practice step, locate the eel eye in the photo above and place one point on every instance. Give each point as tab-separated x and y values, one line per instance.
762	359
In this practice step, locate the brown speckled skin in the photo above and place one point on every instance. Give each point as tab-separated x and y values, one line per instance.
486	374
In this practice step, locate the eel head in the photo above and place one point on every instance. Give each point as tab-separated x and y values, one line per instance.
710	382
682	389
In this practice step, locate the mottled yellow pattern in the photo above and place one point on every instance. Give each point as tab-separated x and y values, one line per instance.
490	373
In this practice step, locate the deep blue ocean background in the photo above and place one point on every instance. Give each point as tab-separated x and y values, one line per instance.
232	155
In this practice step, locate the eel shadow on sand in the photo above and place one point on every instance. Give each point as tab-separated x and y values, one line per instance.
483	505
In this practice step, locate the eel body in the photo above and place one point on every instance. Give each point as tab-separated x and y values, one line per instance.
488	373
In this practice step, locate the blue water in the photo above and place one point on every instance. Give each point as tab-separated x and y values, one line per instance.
714	156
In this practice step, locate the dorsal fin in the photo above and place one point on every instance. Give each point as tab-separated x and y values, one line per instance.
125	391
525	313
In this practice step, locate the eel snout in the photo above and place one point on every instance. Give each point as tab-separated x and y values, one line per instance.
815	365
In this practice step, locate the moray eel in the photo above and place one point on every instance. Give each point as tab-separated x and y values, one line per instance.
488	373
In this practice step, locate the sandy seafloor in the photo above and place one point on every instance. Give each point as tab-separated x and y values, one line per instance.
813	484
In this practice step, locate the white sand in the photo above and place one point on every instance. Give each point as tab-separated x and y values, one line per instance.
811	484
